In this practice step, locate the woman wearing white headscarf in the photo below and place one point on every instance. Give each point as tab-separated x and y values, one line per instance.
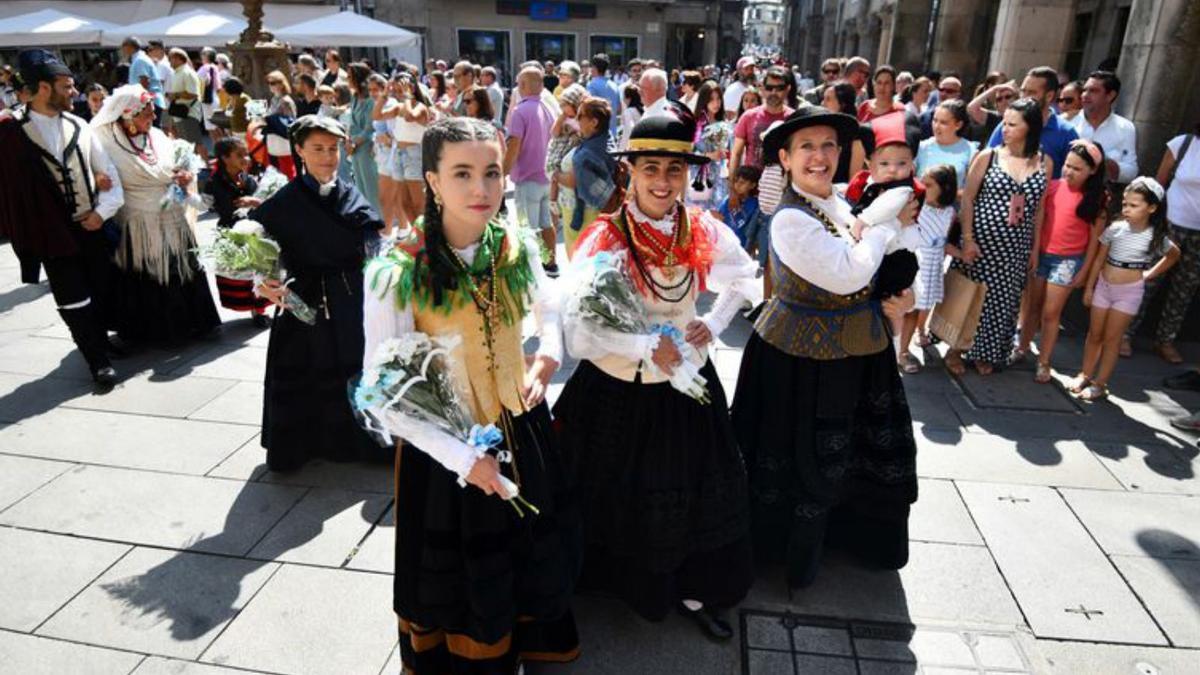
163	294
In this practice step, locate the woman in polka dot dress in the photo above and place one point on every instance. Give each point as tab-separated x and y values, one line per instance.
1001	220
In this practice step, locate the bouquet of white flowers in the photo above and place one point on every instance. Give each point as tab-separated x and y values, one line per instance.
269	183
605	297
181	156
245	252
408	388
256	109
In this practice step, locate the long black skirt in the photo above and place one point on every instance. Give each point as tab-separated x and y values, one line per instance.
479	588
662	489
147	310
306	408
831	457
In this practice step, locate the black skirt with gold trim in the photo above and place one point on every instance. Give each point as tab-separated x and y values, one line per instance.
477	587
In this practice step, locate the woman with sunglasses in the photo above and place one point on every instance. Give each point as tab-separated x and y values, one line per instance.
984	119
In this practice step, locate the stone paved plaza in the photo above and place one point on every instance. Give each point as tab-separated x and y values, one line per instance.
140	532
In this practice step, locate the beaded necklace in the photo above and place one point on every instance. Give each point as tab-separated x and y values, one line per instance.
657	289
145	154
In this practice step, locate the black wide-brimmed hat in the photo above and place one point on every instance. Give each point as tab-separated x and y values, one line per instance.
809	116
665	135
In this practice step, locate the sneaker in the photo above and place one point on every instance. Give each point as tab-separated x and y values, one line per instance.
1189	423
551	270
1189	381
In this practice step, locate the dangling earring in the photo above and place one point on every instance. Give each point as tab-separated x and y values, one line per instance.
437	201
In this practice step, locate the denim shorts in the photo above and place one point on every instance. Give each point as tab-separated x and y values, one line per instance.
1059	270
533	205
406	163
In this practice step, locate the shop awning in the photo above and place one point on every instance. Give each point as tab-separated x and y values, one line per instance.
195	28
51	28
347	29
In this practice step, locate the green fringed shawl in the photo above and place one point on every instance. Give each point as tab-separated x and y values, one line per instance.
407	276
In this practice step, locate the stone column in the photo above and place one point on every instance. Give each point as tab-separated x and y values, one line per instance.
1031	33
908	34
960	37
1159	70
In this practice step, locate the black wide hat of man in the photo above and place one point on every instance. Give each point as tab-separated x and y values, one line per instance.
806	116
39	65
667	135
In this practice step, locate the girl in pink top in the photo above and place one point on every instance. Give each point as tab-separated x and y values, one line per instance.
1076	214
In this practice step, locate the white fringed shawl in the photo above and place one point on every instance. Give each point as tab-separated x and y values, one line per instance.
154	240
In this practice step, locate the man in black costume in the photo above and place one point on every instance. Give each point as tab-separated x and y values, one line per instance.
57	187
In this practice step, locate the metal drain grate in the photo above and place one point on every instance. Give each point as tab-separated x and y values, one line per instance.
782	643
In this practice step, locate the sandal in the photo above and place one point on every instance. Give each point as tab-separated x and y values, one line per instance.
984	369
909	363
923	340
1079	383
1093	392
1018	356
954	364
1044	374
1167	352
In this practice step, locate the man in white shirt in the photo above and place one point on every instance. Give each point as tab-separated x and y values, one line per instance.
1099	123
653	85
57	220
184	91
491	81
744	80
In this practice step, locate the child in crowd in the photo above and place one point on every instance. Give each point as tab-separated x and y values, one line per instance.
232	188
329	107
933	225
894	138
1115	287
1076	210
740	210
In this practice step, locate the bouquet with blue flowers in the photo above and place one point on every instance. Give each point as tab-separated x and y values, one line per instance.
408	389
181	156
603	295
245	252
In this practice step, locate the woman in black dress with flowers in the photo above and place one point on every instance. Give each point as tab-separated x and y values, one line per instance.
1001	219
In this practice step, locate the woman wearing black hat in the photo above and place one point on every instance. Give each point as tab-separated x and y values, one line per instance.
324	227
842	468
658	473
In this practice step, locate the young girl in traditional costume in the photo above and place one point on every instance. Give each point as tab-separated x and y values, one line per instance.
820	410
232	188
661	483
324	228
477	588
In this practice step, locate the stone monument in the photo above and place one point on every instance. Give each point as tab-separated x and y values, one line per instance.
257	52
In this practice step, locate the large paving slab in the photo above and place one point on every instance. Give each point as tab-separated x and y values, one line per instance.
980	457
155	509
249	463
161	395
41	572
1152	466
44	357
227	362
616	641
156	601
20	476
1155	525
1170	589
377	553
942	582
1013	389
132	441
240	404
940	515
22	654
24	396
1103	422
1062	580
323	528
157	665
344	624
360	476
1086	658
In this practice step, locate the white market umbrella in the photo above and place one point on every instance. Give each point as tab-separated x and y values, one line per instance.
195	28
347	29
50	27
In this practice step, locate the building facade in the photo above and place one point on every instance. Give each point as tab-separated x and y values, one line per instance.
1153	46
765	24
506	33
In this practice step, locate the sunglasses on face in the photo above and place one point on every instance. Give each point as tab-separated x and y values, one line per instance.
1005	97
949	90
775	87
1067	100
831	71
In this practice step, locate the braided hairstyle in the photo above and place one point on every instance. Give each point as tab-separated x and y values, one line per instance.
437	251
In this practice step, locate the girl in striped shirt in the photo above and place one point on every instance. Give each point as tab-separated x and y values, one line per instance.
1129	249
